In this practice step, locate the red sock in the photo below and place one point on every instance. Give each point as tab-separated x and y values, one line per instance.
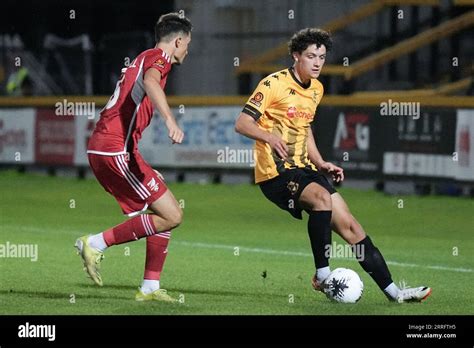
156	251
133	229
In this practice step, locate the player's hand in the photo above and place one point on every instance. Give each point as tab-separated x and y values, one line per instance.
278	145
336	172
175	133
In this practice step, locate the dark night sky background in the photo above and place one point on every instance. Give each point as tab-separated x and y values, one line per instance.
33	19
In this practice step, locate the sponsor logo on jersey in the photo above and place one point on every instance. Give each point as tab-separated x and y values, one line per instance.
293	112
257	98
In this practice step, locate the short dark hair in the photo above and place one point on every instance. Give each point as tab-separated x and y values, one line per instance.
309	36
171	23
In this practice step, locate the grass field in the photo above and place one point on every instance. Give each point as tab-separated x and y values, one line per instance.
418	241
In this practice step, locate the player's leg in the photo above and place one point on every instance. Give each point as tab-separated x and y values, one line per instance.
166	215
157	250
136	186
92	247
368	255
344	223
316	200
299	189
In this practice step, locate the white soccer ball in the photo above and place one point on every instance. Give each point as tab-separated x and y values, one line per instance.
343	285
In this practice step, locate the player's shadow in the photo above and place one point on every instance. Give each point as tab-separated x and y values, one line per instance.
59	295
107	286
42	294
174	290
221	293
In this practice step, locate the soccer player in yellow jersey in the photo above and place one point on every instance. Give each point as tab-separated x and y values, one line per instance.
290	170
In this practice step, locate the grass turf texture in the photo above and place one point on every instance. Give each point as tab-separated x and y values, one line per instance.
202	265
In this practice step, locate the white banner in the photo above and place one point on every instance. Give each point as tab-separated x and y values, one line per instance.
418	164
210	140
83	130
464	166
17	129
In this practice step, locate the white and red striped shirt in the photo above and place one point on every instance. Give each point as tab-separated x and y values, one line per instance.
129	110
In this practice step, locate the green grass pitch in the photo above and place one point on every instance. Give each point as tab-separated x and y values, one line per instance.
427	242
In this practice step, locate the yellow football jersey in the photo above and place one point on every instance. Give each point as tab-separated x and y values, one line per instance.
282	105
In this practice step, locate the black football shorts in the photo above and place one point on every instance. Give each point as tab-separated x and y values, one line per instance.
285	189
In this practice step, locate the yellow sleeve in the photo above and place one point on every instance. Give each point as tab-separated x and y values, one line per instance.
319	97
264	96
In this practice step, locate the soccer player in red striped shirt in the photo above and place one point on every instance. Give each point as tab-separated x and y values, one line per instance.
119	167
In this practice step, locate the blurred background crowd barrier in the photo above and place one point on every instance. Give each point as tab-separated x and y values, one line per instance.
59	63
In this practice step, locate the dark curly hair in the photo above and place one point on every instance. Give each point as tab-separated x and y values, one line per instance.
309	36
171	23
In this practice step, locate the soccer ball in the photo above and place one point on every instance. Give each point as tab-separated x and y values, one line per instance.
343	285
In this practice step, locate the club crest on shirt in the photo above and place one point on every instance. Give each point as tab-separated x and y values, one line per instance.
315	96
256	99
293	187
160	62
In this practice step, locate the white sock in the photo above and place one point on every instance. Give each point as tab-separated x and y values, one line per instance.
392	290
148	286
97	242
322	274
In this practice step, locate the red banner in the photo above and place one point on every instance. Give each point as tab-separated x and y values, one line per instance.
55	137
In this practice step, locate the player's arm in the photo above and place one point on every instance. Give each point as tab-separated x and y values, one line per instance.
246	125
315	156
262	98
157	96
313	152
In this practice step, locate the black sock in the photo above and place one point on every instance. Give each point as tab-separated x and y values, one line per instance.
372	261
319	230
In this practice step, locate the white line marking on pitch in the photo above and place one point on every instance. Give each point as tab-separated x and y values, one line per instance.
296	253
261	250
